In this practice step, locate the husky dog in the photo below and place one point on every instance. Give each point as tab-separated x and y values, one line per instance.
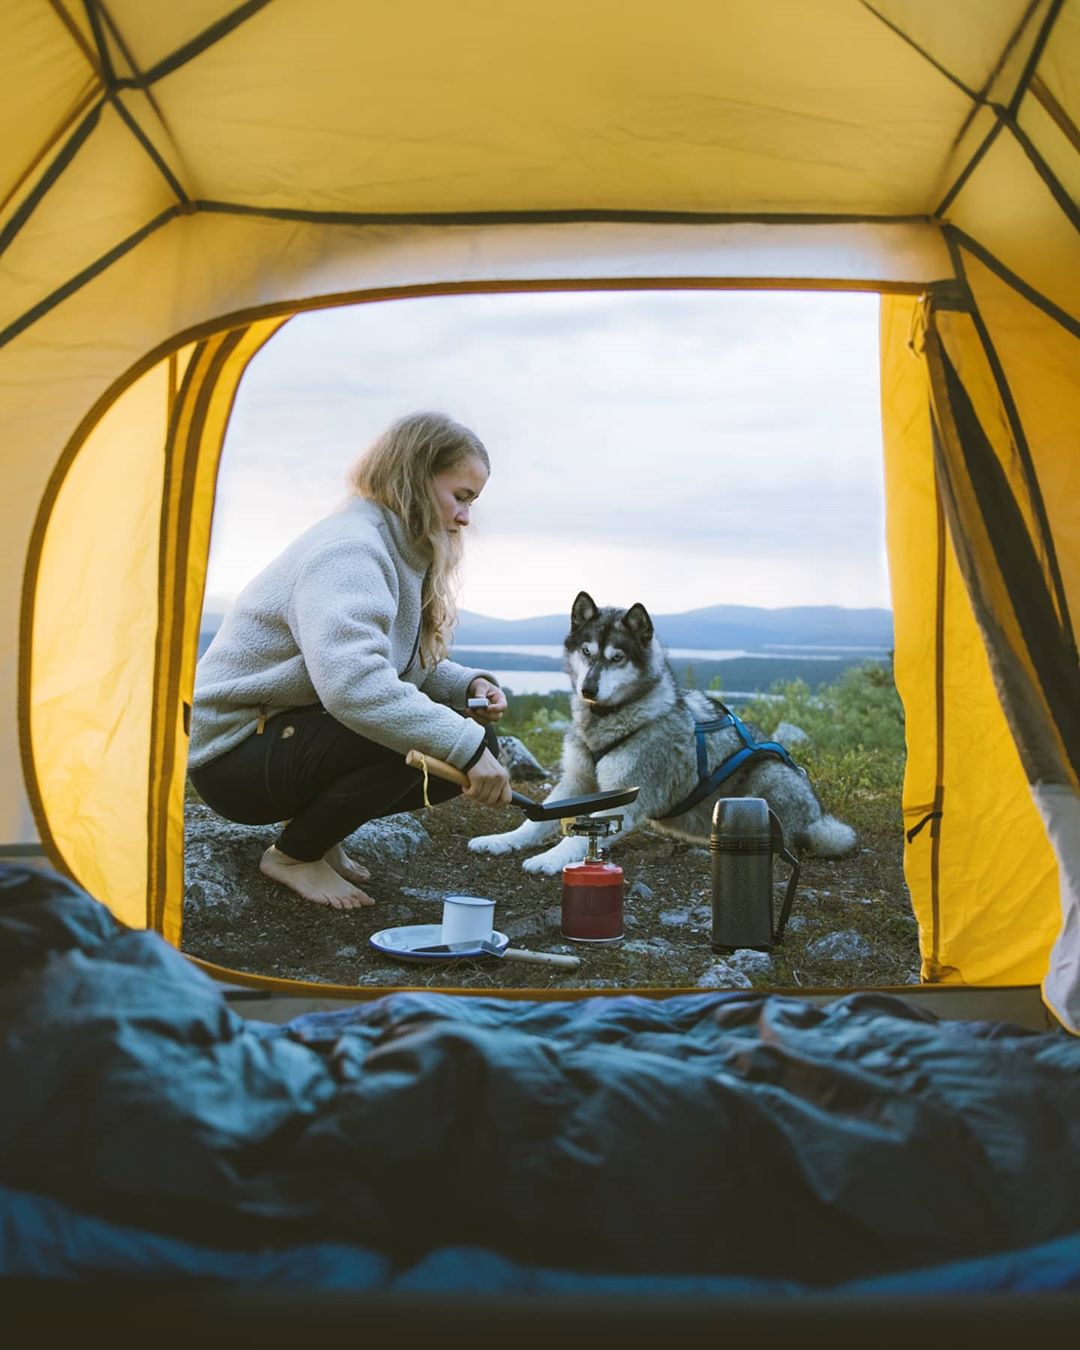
632	725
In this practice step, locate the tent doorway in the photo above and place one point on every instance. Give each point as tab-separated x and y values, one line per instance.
713	454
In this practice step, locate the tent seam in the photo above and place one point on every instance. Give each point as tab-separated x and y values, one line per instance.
1023	451
336	299
177	407
1042	168
968	169
136	127
209	37
1022	595
559	216
49	178
108	72
999	65
80	279
904	37
170	651
76	35
1017	283
176	484
1057	114
1035	56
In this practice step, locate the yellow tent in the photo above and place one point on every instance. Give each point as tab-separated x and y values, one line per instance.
177	180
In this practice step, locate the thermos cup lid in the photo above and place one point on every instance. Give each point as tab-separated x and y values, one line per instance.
742	825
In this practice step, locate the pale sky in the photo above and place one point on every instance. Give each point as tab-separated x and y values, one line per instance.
678	448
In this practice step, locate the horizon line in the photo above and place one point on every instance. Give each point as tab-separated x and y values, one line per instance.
666	614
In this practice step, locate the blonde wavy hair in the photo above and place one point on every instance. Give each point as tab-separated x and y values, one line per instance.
396	471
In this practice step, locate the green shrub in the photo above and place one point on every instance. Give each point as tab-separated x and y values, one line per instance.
855	755
860	710
530	718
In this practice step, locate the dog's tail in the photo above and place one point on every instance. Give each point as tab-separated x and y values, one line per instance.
828	837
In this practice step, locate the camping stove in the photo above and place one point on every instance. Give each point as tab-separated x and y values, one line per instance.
592	890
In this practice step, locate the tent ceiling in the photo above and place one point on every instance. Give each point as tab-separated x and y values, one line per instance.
468	107
139	114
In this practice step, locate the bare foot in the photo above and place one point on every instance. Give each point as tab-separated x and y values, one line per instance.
344	866
315	881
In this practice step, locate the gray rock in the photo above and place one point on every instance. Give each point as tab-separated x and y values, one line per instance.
347	951
751	962
788	734
796	923
845	945
723	975
221	860
391	837
424	892
649	947
518	760
639	891
674	918
528	926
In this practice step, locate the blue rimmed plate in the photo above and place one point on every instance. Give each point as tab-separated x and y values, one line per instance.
401	943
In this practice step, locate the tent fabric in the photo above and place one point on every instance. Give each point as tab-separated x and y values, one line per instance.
746	1136
176	181
962	762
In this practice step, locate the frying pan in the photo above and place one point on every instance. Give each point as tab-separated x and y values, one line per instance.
566	806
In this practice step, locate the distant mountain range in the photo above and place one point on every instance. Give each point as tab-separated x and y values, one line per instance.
740	627
716	626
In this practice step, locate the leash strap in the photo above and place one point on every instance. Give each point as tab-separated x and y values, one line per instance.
598	755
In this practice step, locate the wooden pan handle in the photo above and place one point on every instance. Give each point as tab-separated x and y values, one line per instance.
438	768
541	958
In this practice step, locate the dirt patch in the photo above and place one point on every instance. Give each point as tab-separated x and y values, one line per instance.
858	904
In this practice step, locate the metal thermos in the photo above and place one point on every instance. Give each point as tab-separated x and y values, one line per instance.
745	835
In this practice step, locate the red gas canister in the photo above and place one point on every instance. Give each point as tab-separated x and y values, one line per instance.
592	891
592	896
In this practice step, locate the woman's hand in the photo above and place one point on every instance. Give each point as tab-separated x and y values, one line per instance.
489	782
496	701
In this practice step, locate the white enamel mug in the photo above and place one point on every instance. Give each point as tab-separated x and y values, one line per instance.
467	918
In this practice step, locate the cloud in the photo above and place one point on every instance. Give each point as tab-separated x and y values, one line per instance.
692	428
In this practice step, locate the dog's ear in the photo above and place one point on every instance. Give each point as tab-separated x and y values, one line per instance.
637	620
583	610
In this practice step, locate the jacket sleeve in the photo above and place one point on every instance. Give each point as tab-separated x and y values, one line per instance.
341	614
448	683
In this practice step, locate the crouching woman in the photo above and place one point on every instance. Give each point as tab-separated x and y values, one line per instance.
331	665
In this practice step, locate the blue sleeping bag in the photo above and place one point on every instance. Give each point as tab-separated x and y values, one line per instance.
712	1138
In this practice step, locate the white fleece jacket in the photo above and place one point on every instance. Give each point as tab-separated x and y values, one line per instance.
334	619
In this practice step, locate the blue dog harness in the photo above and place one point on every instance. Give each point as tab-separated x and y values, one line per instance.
708	782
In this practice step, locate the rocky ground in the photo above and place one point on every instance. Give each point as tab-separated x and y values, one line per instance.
851	921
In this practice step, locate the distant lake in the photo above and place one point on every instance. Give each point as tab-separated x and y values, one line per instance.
753	670
776	652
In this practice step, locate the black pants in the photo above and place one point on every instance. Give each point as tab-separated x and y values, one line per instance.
325	780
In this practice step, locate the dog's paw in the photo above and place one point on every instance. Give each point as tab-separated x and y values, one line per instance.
555	859
495	845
